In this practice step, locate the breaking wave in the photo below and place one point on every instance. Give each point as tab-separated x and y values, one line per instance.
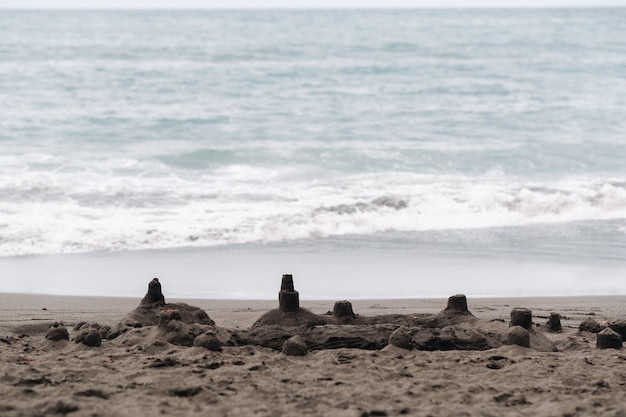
65	211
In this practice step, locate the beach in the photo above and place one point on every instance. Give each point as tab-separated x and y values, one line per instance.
149	377
448	187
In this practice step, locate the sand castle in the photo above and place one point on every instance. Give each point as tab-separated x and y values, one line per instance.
288	312
455	327
296	330
153	303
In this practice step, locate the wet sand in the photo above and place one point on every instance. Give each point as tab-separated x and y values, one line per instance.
40	377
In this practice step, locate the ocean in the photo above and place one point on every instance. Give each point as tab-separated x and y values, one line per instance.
370	153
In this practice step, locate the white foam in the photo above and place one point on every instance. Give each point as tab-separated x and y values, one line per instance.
119	203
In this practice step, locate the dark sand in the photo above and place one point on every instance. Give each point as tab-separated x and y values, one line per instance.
123	377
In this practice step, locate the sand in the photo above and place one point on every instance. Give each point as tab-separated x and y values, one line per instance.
127	377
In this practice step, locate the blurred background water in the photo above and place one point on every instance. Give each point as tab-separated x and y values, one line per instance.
453	136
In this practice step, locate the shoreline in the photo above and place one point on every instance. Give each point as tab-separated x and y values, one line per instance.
325	269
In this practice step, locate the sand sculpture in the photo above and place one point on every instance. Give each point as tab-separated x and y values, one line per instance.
147	313
288	313
89	336
522	317
609	339
517	335
57	332
154	322
554	322
590	325
176	323
453	328
296	331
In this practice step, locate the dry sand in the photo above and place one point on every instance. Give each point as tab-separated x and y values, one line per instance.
41	378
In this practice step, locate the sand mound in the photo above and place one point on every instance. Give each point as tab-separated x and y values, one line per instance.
148	311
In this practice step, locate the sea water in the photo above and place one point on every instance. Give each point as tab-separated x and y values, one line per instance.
389	153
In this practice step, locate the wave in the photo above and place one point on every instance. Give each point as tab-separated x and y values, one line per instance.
242	204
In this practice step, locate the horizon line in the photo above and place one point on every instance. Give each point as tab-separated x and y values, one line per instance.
313	8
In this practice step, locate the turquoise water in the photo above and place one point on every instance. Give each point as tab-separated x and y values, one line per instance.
458	134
